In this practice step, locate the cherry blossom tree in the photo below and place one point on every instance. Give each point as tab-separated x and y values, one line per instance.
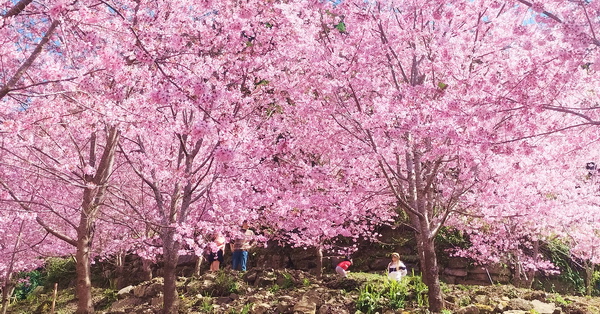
309	202
448	85
59	155
57	175
198	72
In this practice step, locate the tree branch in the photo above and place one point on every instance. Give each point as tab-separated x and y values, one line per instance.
25	66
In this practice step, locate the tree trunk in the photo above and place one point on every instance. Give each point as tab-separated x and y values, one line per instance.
531	273
7	291
430	271
170	255
9	286
198	265
119	270
319	273
146	269
589	277
83	289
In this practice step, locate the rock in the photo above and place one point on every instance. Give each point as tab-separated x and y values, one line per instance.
458	262
283	307
125	304
260	308
156	301
286	298
543	308
448	279
250	276
347	284
519	304
187	260
479	277
502	306
576	308
470	309
222	300
481	299
478	270
265	278
458	272
124	292
535	295
473	282
306	305
499	270
149	288
485	309
500	279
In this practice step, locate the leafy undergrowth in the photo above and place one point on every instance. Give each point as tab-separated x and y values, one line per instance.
280	291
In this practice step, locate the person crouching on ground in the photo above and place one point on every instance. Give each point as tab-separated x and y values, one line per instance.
342	267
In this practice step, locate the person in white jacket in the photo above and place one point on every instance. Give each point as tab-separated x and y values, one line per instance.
396	269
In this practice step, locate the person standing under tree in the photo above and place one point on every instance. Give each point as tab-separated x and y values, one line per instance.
217	246
242	242
396	269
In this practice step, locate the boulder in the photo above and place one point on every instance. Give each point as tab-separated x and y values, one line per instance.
124	304
123	293
485	309
148	290
535	295
306	305
470	309
543	308
260	308
519	304
481	299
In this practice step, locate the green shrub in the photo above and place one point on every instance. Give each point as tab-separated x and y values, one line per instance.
570	272
396	292
558	300
596	283
206	305
420	290
376	296
369	299
59	270
288	281
27	281
225	284
274	288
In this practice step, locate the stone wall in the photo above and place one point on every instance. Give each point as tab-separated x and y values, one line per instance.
460	271
453	270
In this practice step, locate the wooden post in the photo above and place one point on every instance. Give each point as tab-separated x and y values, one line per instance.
54	297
